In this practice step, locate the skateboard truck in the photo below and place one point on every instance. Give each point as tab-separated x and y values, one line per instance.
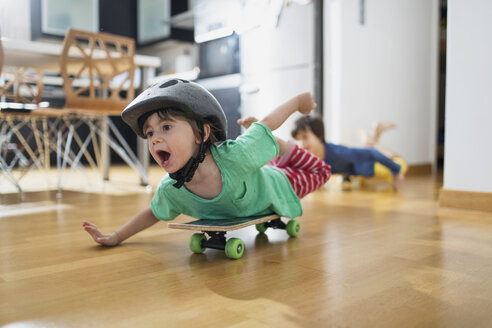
217	240
275	224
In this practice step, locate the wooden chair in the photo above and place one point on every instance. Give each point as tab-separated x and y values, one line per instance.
22	85
24	136
98	79
98	71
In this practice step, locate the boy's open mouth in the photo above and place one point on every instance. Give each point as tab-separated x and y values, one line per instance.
163	156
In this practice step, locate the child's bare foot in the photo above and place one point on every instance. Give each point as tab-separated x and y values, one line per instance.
387	125
398	181
379	128
110	239
246	122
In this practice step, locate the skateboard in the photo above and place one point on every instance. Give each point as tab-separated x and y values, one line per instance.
213	232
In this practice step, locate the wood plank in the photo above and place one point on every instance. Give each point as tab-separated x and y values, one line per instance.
362	259
478	201
419	169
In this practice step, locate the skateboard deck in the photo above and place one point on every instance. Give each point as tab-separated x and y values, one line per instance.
223	225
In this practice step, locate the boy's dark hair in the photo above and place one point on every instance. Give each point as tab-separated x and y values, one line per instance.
308	122
169	112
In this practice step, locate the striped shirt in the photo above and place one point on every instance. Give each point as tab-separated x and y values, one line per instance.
305	171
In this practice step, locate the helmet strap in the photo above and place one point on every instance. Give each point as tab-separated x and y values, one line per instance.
185	174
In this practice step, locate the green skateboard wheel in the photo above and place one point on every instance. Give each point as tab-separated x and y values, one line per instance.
261	227
196	243
293	228
234	248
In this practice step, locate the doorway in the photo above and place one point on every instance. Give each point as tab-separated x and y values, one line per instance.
443	9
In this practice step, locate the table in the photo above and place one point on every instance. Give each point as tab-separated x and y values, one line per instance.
46	55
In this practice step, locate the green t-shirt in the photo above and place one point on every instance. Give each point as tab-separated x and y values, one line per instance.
249	187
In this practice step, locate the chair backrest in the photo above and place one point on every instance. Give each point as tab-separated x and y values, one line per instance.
98	71
20	84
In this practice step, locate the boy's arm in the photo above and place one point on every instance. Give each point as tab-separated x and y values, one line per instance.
143	220
303	103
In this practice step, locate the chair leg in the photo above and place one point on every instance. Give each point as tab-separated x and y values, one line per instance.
10	177
105	150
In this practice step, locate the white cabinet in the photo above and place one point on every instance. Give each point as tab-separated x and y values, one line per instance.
59	15
154	20
146	21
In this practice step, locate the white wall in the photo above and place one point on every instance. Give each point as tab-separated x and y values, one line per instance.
468	139
15	19
277	60
383	70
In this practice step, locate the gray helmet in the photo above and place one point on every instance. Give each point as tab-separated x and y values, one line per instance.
188	96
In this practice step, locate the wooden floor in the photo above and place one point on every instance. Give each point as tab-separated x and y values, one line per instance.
363	259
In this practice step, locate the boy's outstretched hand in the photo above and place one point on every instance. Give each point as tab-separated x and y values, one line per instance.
110	239
306	103
303	103
246	122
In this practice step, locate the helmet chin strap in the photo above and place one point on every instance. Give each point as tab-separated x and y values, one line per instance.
185	174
